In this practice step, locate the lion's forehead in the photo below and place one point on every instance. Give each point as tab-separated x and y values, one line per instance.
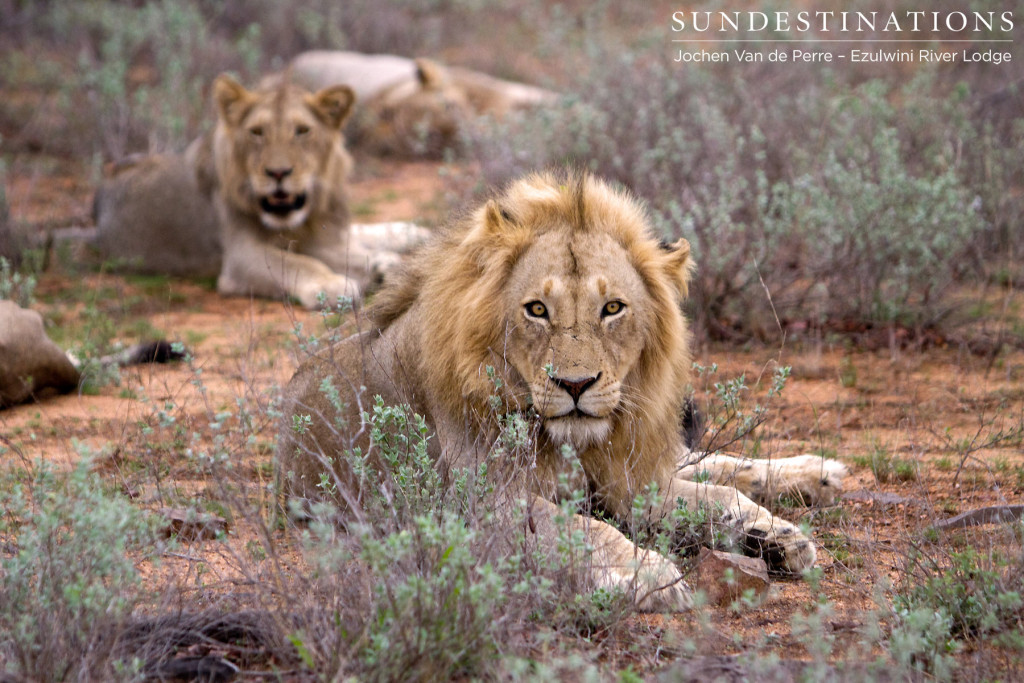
593	267
283	116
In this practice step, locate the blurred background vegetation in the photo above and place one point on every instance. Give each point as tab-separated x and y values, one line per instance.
837	199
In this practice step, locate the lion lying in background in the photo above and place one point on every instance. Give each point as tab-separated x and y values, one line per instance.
262	202
412	108
556	299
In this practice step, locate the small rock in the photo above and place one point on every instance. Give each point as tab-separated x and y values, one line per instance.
725	577
876	497
30	363
192	525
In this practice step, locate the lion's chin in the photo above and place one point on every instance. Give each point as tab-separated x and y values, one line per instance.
580	432
282	211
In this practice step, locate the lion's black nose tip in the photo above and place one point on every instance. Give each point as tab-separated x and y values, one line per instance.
576	387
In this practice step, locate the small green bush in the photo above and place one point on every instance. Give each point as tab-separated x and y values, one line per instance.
68	582
434	566
15	285
976	595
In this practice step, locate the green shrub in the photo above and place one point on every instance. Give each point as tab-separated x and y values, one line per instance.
67	580
142	75
976	595
433	567
15	285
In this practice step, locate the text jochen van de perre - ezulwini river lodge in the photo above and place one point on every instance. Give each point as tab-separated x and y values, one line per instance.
837	36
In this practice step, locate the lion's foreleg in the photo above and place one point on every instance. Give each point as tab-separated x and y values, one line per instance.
253	268
371	250
782	544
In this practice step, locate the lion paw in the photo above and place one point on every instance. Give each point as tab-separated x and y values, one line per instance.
394	236
781	544
308	293
381	262
818	480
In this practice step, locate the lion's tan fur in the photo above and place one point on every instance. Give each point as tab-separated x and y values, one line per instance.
413	107
516	287
468	269
153	214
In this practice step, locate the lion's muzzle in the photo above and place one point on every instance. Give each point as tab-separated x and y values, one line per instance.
280	203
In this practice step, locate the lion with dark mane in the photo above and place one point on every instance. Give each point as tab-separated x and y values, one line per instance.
555	298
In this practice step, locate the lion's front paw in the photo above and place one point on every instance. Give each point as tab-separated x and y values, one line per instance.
333	287
781	544
381	262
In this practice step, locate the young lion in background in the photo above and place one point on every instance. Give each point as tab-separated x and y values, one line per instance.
553	301
262	201
281	165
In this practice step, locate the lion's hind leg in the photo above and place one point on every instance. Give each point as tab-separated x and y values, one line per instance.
811	478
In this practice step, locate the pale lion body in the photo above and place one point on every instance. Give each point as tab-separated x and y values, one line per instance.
261	202
559	287
413	107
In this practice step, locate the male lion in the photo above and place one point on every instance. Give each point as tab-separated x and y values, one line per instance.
558	290
412	107
262	201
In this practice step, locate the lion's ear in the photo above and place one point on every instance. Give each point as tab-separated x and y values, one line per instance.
333	105
430	74
231	98
497	219
498	229
679	265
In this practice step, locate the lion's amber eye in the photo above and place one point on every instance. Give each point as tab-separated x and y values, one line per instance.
536	309
612	308
256	131
301	130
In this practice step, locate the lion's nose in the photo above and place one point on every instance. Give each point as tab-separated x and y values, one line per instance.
278	174
576	387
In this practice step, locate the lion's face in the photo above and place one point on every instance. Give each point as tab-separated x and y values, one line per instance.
277	146
558	289
580	315
419	117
